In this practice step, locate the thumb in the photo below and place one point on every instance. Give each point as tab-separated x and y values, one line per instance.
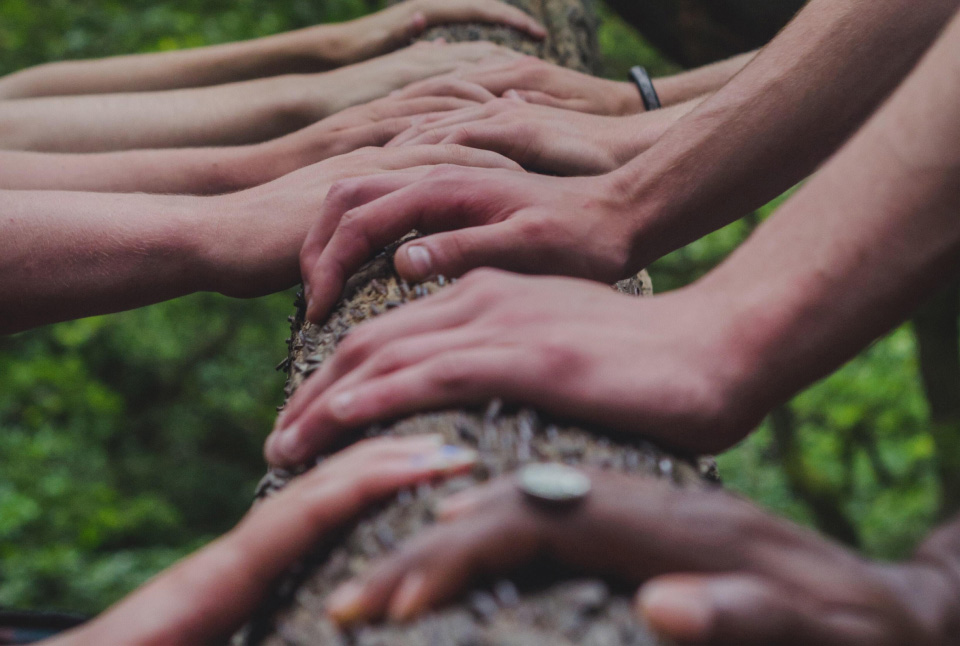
745	610
454	253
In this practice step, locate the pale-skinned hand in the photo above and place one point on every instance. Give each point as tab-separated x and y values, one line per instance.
206	597
667	367
397	25
582	226
715	570
543	83
540	138
252	238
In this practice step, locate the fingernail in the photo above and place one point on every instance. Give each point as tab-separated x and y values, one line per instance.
512	94
419	21
287	443
419	258
407	601
448	457
342	405
345	604
678	611
456	505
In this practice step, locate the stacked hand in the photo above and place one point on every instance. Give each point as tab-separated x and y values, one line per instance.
584	227
668	366
242	257
543	83
205	598
716	569
397	25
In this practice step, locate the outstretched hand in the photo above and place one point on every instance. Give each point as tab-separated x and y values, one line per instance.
715	569
397	25
537	81
530	223
206	597
571	348
254	237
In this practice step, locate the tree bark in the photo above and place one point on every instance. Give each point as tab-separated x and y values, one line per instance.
697	32
539	608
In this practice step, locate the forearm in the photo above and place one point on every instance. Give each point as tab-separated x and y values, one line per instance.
860	246
637	133
233	114
184	171
307	50
788	110
69	255
695	83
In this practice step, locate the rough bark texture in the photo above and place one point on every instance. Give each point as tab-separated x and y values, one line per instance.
696	32
546	607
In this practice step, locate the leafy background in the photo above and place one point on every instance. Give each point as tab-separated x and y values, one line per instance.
127	441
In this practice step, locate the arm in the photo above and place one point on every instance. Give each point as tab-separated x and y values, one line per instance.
206	597
714	569
232	114
791	107
542	83
306	50
66	255
209	171
546	139
851	255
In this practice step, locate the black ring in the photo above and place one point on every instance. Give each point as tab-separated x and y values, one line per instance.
648	93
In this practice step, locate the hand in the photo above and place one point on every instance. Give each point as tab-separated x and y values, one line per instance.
540	138
252	238
363	82
369	124
723	571
523	222
397	25
537	81
668	367
206	597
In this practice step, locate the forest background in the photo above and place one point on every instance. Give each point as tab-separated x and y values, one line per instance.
129	440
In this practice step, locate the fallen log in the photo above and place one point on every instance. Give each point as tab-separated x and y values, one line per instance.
537	607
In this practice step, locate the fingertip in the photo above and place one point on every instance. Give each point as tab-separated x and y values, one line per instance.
418	22
410	598
346	605
682	611
414	262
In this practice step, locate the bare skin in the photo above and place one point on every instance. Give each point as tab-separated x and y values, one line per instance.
749	579
237	113
753	139
851	255
313	49
216	170
65	255
545	139
206	597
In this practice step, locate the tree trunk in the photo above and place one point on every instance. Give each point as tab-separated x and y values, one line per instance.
548	608
697	32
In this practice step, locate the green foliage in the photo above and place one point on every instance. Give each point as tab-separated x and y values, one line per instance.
126	441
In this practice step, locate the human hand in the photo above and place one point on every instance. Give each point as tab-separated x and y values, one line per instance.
670	367
541	138
250	240
543	83
363	82
717	569
397	25
530	223
369	124
206	597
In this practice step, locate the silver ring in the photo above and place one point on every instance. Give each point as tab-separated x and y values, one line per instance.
553	484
